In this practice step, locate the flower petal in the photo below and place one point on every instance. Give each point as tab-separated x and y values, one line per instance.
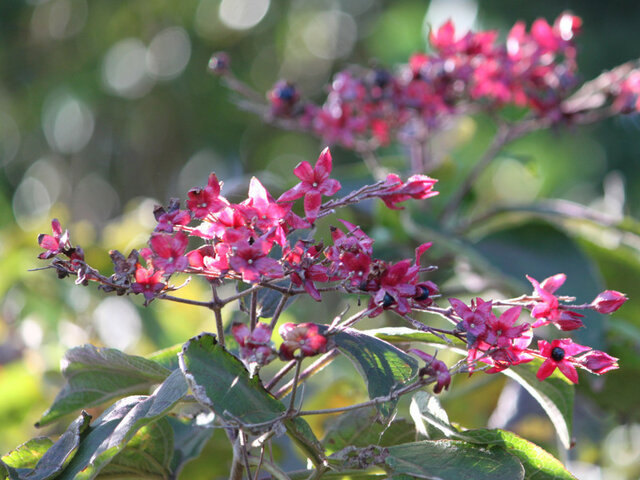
312	202
304	172
323	166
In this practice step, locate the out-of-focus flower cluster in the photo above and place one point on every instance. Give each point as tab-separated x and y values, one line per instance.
535	69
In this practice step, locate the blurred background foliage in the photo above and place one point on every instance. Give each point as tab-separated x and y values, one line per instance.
106	109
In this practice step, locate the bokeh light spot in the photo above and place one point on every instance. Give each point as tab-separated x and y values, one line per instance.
168	53
118	323
124	70
330	35
67	123
242	14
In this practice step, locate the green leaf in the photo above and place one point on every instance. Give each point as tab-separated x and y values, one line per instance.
221	382
426	407
189	440
97	433
28	454
453	460
115	429
147	455
383	366
168	357
406	334
95	375
554	394
40	458
62	452
538	463
362	427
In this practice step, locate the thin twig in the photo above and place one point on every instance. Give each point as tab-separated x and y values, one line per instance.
245	455
259	466
296	377
241	294
218	315
374	401
281	373
253	315
278	310
236	466
315	367
187	301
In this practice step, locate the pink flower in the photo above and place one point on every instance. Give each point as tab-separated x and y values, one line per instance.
58	243
169	252
304	262
255	346
547	309
263	214
475	320
148	282
418	187
173	216
598	362
251	261
203	201
304	338
560	353
315	182
608	301
434	368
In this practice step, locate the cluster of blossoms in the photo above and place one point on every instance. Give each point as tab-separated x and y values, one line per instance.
252	242
499	343
534	69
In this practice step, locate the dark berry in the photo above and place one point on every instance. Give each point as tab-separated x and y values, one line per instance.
387	301
381	78
287	93
422	293
557	354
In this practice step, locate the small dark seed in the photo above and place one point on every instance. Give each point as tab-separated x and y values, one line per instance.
557	354
387	301
422	293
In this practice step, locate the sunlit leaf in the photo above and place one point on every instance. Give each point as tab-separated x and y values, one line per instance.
554	394
383	366
221	382
538	463
95	375
28	454
454	460
147	455
114	431
362	427
406	334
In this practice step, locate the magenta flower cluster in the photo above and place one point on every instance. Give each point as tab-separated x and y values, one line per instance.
534	69
252	242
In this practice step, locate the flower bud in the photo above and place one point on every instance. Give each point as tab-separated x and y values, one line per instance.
599	362
301	340
608	301
218	63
